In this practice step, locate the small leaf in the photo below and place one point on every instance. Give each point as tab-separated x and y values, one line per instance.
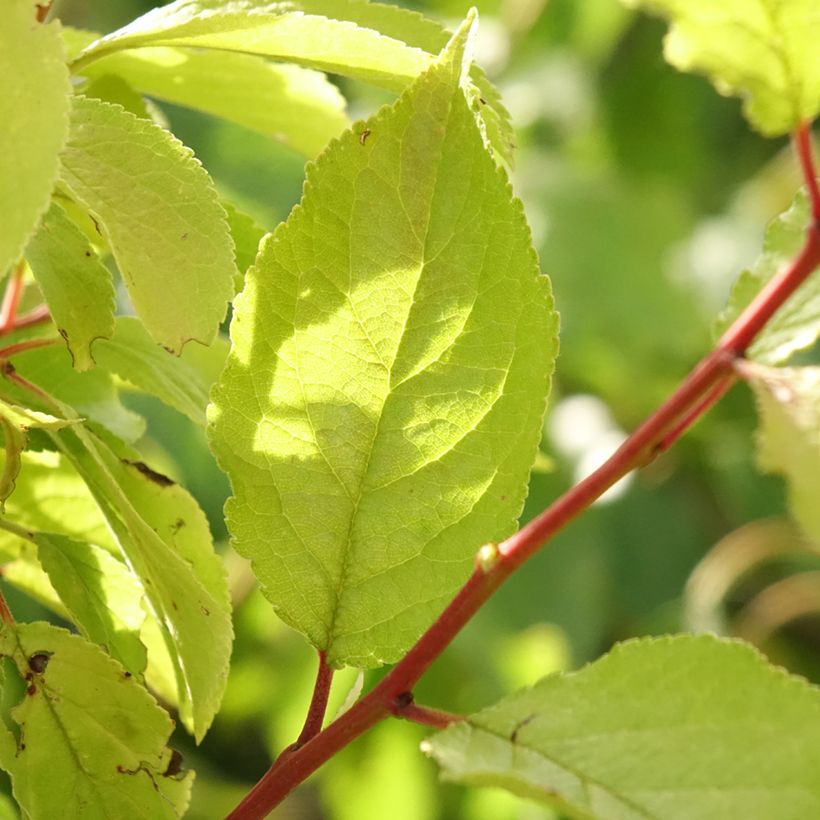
246	237
297	106
762	51
789	437
34	100
135	357
158	209
672	728
91	737
102	597
75	283
165	538
391	353
796	325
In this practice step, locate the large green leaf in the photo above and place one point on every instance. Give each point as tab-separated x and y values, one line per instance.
295	105
135	357
673	728
165	538
102	597
391	354
764	51
796	325
158	209
378	43
34	102
92	740
75	283
789	438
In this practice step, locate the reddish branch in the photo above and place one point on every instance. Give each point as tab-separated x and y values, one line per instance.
318	703
11	299
700	390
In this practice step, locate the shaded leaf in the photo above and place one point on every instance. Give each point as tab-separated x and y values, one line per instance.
34	101
91	737
676	728
762	51
75	283
158	209
796	325
391	353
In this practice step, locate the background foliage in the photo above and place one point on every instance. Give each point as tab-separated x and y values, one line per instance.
647	194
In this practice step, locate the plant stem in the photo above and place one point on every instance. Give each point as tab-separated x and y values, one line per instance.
35	316
707	382
5	613
404	707
802	143
318	703
11	299
26	344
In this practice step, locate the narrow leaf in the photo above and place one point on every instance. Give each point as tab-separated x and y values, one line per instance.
165	537
671	728
34	102
102	597
762	51
135	357
91	737
159	211
75	283
796	325
391	353
297	106
789	437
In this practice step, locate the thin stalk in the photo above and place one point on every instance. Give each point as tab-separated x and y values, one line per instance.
495	563
26	344
318	703
424	715
802	144
11	299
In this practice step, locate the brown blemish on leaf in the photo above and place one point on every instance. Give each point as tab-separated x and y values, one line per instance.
520	725
363	136
151	475
174	764
39	661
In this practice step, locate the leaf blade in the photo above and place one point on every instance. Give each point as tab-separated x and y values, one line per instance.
673	727
396	264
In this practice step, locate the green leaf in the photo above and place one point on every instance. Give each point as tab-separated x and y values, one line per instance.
34	102
247	235
391	353
380	44
75	283
92	393
789	437
92	740
760	50
671	728
102	597
158	209
297	106
135	357
165	538
796	325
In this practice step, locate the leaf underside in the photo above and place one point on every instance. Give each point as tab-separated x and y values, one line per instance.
391	354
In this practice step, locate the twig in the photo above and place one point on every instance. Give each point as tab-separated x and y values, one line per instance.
405	707
11	299
802	144
318	703
695	395
26	344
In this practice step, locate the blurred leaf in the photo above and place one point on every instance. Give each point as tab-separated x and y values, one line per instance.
34	103
789	439
297	106
159	211
761	51
247	235
796	325
75	283
378	418
679	727
91	738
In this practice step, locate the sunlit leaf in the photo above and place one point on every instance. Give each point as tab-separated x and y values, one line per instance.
671	728
391	353
34	103
91	737
789	439
762	51
159	211
796	325
75	283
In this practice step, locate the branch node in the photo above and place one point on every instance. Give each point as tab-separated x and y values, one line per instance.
487	558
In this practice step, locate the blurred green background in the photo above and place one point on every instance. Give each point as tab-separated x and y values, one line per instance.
647	194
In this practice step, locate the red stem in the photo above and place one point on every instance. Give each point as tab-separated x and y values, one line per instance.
36	316
697	393
5	613
404	707
26	344
802	143
318	703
